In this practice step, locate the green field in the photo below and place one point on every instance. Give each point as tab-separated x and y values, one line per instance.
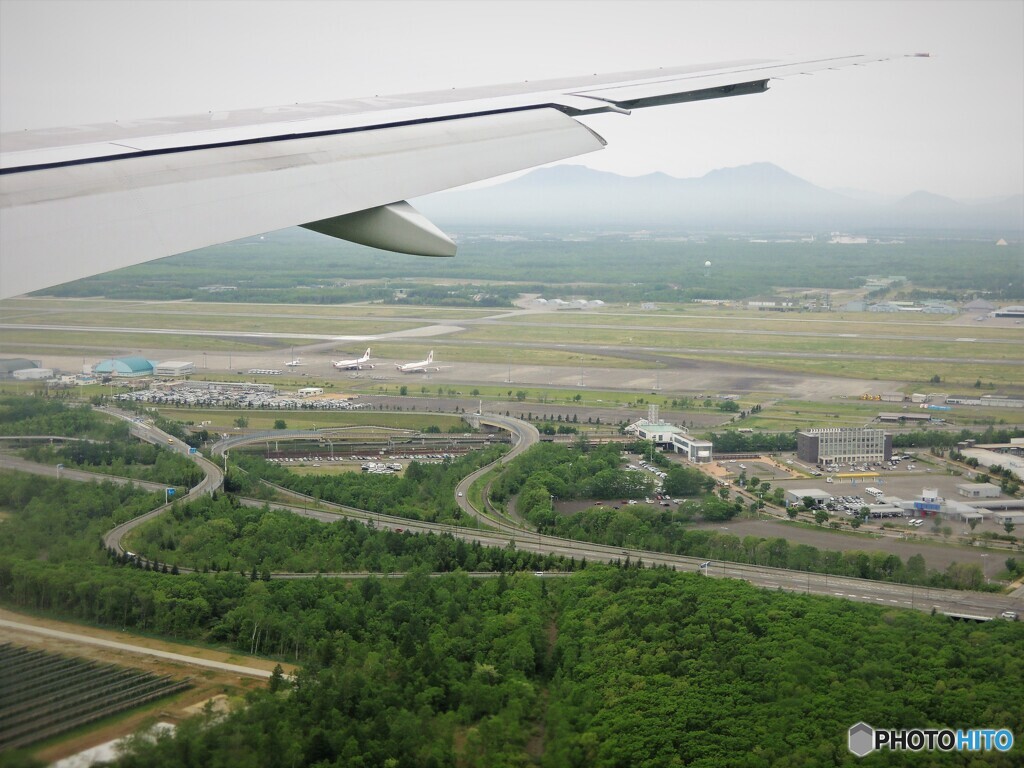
915	376
291	267
117	342
752	341
225	323
691	316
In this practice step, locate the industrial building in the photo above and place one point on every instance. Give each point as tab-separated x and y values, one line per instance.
9	366
843	445
797	495
1015	311
174	368
1007	516
32	374
992	401
897	416
931	504
978	490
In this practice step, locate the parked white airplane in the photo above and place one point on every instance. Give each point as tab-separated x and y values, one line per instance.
83	200
356	364
423	366
295	363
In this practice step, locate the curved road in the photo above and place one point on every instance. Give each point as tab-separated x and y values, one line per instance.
213	478
884	593
524	436
79	475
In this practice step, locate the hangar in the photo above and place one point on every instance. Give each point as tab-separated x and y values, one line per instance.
125	367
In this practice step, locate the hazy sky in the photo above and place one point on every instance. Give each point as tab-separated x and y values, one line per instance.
951	124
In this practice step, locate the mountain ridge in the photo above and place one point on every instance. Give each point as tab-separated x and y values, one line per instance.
754	197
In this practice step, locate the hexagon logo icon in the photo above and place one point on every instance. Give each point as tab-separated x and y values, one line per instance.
861	739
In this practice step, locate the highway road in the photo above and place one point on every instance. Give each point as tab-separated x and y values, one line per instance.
887	594
860	590
63	473
213	478
524	435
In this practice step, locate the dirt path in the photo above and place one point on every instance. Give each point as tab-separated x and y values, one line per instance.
235	674
118	647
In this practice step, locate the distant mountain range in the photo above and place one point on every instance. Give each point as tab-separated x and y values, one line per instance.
760	197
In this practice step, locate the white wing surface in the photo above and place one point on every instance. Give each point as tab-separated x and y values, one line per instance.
84	200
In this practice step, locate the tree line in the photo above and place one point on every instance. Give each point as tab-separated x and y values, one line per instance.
137	460
423	492
290	268
220	534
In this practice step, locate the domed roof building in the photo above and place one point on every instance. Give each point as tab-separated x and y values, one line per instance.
125	367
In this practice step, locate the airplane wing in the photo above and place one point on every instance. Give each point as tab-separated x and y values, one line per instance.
88	199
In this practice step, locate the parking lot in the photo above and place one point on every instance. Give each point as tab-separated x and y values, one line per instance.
205	396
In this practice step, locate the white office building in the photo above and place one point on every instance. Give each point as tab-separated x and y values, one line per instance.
697	451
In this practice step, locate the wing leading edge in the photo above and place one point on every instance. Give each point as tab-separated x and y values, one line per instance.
80	201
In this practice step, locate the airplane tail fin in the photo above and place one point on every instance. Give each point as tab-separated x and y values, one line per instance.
430	357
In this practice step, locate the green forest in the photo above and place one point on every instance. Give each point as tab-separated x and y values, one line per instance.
220	534
612	667
579	665
423	492
300	268
21	415
121	458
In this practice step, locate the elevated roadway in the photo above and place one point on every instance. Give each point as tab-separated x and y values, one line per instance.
79	475
524	436
213	478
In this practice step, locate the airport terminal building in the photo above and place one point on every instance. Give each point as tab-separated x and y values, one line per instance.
843	445
671	437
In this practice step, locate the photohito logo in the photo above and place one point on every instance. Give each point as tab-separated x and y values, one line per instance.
863	739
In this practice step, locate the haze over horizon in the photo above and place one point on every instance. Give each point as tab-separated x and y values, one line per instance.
756	197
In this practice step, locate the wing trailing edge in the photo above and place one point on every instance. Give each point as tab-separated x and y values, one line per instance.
63	223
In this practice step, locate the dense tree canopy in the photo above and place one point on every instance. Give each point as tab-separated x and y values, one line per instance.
223	535
423	492
609	666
